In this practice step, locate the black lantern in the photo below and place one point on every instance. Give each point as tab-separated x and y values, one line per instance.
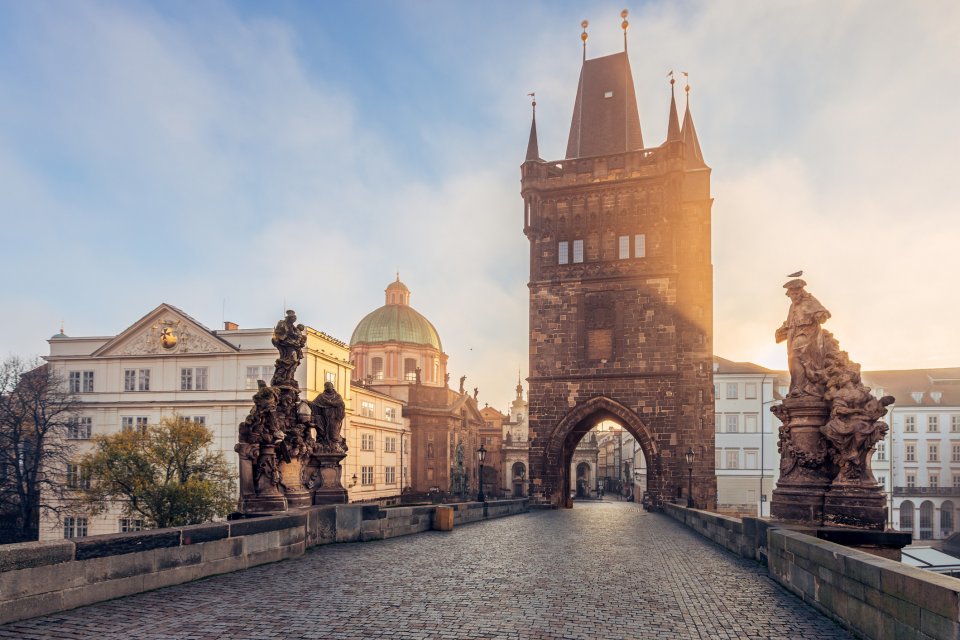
689	455
481	456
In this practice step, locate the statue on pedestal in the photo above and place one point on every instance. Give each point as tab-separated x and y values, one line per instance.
328	411
831	424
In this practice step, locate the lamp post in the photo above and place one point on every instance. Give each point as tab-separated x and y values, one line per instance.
481	456
689	455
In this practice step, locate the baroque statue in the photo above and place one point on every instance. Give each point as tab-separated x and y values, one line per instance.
328	413
831	425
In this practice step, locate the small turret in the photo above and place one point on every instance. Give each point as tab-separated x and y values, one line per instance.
533	149
694	157
673	124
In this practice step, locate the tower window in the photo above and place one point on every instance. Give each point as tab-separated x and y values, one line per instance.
608	94
640	245
563	255
578	250
624	247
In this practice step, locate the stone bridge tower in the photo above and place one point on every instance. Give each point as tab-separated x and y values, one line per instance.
621	290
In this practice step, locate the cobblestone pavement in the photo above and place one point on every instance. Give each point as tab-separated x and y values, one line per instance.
601	570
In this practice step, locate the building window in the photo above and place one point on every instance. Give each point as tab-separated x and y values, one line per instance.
578	251
640	245
390	414
956	482
881	450
193	379
136	380
563	252
74	527
882	480
410	369
910	424
376	368
906	516
911	480
731	391
77	477
258	373
366	475
80	381
733	422
933	424
390	475
733	459
718	422
79	428
367	408
750	459
128	525
933	452
750	423
366	442
199	420
909	452
750	390
946	519
955	423
933	480
127	423
390	444
624	252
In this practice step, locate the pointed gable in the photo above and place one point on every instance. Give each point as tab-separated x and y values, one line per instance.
605	115
673	124
165	330
693	156
533	148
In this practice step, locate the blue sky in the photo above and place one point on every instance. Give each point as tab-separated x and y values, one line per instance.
233	158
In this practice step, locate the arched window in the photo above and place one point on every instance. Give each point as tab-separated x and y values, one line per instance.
376	368
926	520
410	369
946	519
906	516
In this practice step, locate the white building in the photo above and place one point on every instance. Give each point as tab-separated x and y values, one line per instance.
924	443
167	363
516	446
747	461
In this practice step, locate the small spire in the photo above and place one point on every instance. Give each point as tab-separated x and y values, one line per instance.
624	25
533	148
693	155
61	327
583	36
673	124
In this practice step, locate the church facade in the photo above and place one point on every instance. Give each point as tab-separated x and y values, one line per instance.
621	291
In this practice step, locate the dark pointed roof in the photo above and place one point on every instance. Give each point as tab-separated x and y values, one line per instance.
694	157
605	115
533	149
673	124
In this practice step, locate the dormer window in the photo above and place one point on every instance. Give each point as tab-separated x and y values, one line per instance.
608	94
917	396
936	395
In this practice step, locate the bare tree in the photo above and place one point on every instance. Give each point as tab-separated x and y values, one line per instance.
36	411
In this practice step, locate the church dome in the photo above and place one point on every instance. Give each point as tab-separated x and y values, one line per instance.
396	321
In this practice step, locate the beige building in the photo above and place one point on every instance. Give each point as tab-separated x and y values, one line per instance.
515	450
168	363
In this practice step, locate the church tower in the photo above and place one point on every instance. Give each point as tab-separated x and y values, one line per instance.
621	290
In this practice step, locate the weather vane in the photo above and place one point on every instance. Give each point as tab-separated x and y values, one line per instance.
583	36
624	25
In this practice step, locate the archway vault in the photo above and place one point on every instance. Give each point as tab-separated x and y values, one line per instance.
582	418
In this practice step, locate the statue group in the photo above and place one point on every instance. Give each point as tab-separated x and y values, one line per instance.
290	450
831	425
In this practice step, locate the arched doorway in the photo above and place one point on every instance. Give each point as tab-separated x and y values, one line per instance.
925	529
555	464
519	475
584	480
946	518
906	516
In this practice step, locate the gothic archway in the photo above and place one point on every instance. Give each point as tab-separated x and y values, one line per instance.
574	426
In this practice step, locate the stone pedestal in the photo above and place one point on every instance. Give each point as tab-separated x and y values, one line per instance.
805	467
297	495
861	506
268	497
328	488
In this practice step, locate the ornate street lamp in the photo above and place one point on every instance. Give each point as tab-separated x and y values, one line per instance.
689	455
481	456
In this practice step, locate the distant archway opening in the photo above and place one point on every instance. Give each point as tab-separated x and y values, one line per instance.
946	519
925	530
906	516
581	420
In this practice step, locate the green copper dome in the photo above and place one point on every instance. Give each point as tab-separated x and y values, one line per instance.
396	321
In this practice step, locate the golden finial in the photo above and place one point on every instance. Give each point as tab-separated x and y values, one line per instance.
670	75
624	25
61	327
533	95
583	36
686	79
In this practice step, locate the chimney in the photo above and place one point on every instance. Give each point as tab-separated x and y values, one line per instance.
230	326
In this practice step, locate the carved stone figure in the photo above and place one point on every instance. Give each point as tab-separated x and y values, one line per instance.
446	379
328	411
802	332
289	338
463	380
417	373
476	392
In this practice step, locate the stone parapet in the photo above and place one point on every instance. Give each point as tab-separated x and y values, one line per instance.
39	578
